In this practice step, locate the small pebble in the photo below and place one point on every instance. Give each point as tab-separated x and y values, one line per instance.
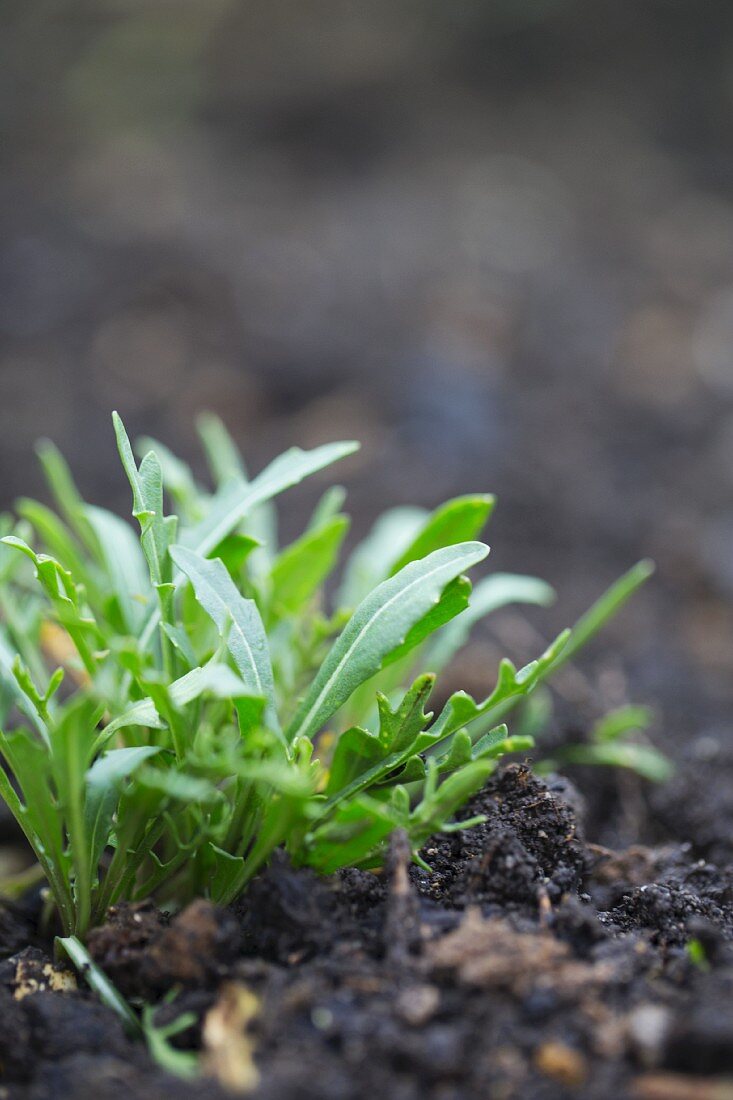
561	1063
417	1004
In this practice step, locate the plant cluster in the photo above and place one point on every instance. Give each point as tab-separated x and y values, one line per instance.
177	705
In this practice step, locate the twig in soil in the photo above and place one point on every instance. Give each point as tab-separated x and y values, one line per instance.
402	923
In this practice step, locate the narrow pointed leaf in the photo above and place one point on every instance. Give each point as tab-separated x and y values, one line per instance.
372	559
102	792
458	520
237	619
236	500
378	626
301	568
124	563
216	679
609	604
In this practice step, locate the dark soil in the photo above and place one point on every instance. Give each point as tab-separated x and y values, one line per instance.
530	964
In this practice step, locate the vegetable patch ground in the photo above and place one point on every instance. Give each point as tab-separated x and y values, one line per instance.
532	963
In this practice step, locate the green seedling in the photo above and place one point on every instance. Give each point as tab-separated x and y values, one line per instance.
614	742
179	702
697	955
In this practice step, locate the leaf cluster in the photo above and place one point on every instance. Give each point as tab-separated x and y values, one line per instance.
177	702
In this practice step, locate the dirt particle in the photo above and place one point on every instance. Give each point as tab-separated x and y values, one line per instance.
561	1063
489	953
193	947
417	1004
141	953
35	974
676	1086
647	1030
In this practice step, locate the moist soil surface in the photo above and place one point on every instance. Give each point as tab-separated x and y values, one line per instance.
530	963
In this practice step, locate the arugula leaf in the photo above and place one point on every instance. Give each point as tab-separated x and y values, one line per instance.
372	560
380	624
224	460
609	604
102	792
147	493
124	565
237	620
301	568
458	520
357	750
490	594
236	500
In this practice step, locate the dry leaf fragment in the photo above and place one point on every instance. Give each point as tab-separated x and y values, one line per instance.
561	1063
228	1048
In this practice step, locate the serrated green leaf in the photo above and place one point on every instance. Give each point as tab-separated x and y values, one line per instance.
489	594
55	536
462	710
358	751
399	728
460	752
63	593
10	685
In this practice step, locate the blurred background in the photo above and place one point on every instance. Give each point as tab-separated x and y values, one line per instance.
492	239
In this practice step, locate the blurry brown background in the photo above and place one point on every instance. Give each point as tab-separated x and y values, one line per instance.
493	240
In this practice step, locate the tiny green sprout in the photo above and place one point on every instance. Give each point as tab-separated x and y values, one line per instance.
613	742
181	696
697	955
181	1063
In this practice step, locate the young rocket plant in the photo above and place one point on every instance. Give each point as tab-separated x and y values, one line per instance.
177	705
